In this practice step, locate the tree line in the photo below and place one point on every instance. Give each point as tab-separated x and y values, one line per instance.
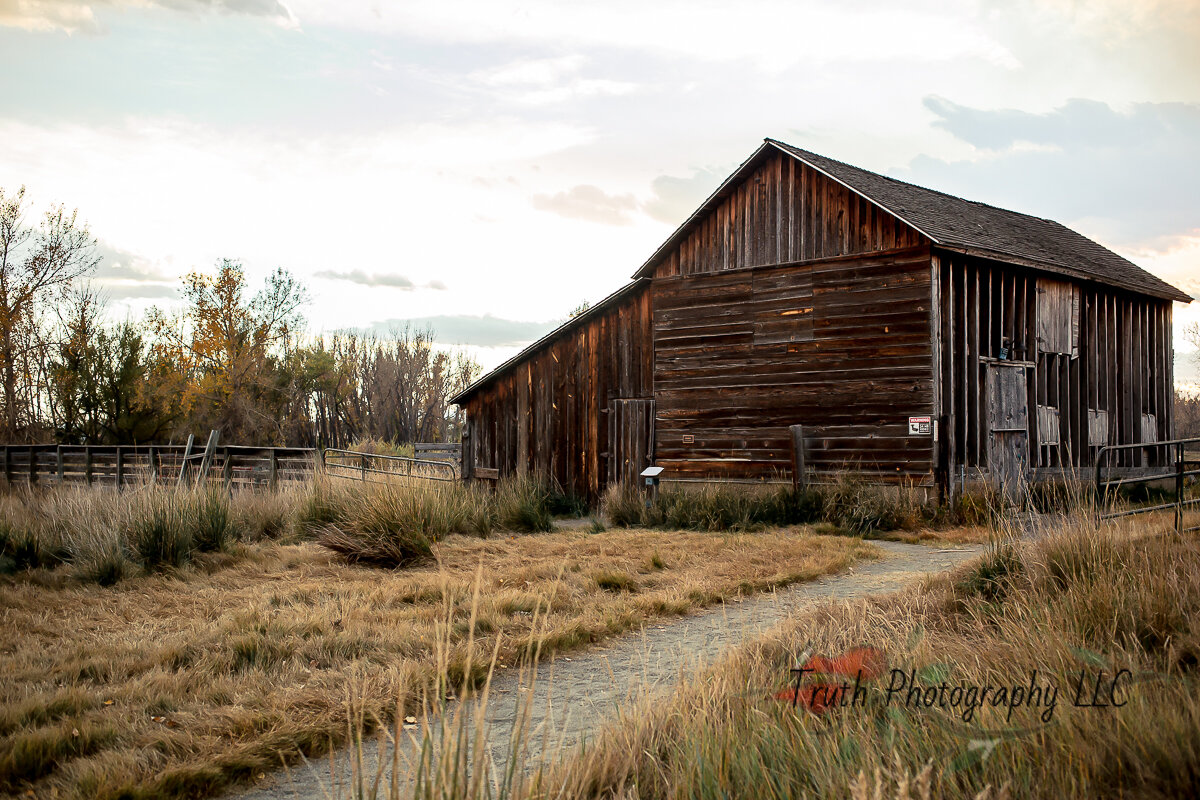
237	360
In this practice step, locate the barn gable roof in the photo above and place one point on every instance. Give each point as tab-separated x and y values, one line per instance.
949	222
953	223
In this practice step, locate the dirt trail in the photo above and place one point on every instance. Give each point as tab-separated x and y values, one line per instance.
574	693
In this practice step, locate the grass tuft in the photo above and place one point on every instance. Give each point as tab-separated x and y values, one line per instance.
615	581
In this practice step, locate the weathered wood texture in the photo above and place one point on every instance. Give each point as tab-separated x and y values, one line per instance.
548	413
630	439
792	300
857	367
784	211
1099	361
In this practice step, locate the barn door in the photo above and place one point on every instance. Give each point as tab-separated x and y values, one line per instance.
1008	428
630	439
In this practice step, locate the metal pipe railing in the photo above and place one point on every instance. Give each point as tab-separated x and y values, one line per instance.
1177	471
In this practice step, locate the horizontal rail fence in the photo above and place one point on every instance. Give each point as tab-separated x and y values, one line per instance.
1157	462
131	465
379	468
433	451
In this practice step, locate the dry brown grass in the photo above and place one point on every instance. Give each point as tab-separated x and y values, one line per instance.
179	682
964	534
1082	599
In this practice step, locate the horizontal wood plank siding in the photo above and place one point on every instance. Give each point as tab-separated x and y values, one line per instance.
866	368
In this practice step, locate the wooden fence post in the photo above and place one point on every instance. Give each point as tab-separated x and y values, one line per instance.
227	469
799	478
59	469
1179	469
187	453
32	466
363	463
214	436
153	464
87	464
120	468
274	481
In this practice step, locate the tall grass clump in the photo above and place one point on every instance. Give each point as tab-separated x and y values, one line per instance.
393	524
159	530
106	536
273	516
212	520
524	504
35	529
396	523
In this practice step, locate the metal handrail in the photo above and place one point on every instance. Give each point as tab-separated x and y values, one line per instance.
363	469
1178	473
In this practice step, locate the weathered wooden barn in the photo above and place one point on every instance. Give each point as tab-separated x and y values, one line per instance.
913	335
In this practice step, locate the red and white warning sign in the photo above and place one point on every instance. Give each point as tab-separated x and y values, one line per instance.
920	426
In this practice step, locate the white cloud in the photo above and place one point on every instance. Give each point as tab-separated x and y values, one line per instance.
48	15
590	203
376	279
547	81
773	33
188	195
530	71
79	16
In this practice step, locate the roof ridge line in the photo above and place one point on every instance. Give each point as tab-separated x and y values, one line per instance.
960	198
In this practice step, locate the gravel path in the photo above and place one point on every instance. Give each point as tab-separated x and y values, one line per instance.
573	694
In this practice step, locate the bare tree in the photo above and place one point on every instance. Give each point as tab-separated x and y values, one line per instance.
35	264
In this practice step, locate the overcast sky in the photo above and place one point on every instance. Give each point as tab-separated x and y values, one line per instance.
485	166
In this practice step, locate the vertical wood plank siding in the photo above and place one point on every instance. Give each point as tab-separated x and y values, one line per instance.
853	383
784	211
548	412
1101	359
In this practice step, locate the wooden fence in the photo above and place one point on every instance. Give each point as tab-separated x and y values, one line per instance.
376	467
434	451
129	465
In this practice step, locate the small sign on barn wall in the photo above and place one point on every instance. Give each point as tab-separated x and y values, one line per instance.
920	426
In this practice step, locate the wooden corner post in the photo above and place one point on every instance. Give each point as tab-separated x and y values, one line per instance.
799	478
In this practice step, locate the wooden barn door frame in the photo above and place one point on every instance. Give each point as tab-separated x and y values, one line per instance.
630	438
1008	426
